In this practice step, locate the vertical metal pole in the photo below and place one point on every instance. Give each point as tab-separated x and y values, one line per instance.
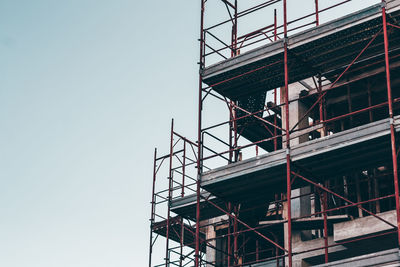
321	105
316	13
235	136
171	152
275	91
234	53
234	32
181	243
231	122
275	26
235	236
321	118
183	168
233	154
324	106
288	173
391	115
229	236
325	207
232	134
199	145
153	204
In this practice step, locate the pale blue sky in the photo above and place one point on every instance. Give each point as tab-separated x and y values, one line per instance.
87	90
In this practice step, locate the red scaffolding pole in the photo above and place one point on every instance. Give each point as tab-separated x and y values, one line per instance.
287	137
200	107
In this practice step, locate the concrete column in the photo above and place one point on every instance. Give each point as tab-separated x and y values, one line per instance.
296	111
211	252
300	206
211	233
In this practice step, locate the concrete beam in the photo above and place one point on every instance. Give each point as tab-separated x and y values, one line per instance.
363	226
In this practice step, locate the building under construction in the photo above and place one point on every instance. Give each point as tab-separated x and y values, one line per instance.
303	170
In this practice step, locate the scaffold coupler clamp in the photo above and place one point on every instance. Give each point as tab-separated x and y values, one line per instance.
383	4
286	40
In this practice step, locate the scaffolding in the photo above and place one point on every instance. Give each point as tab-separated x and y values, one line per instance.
308	153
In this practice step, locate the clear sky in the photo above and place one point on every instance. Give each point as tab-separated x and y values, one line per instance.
87	90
